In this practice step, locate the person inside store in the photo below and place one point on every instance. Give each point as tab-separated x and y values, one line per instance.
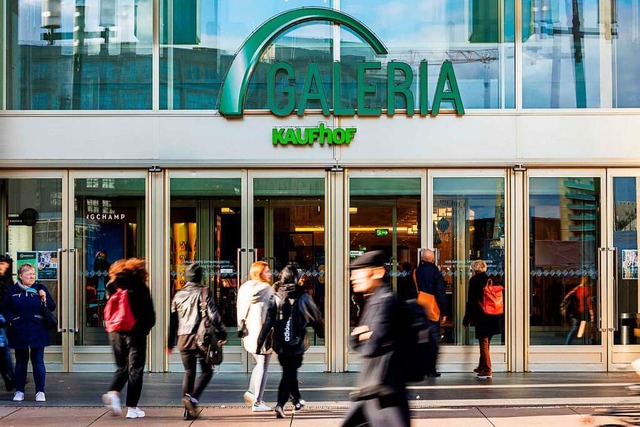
290	311
429	279
28	335
183	325
577	306
380	398
251	310
6	361
486	325
130	347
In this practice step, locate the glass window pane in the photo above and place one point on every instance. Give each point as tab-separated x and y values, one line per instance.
564	229
381	219
199	41
625	28
89	55
561	54
468	224
205	226
477	36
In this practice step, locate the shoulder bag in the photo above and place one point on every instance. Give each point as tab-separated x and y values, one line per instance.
427	301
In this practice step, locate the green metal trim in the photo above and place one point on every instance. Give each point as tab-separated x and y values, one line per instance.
234	86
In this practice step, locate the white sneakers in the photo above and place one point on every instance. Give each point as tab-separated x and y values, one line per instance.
112	402
40	397
18	396
135	413
260	407
249	398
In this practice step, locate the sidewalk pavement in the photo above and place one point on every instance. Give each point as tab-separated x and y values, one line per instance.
455	399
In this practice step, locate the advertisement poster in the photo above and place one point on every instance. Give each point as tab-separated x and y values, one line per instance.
47	265
629	263
30	257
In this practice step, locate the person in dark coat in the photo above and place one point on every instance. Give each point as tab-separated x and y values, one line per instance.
183	325
130	348
381	338
290	301
6	362
429	279
486	325
28	335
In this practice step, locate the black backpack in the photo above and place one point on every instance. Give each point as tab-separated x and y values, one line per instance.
417	346
207	334
288	328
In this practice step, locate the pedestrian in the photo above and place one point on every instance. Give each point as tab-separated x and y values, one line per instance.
252	304
6	362
130	347
28	336
290	311
486	325
429	279
578	307
183	324
381	338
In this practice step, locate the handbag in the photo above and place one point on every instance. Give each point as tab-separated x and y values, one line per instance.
243	331
206	334
427	301
49	319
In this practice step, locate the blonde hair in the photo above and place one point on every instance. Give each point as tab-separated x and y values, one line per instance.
256	270
479	266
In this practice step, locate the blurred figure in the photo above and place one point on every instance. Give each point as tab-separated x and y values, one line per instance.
429	279
6	362
290	311
28	336
486	325
406	288
130	348
578	307
381	338
184	323
253	301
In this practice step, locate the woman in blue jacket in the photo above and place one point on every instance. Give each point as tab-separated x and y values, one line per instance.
28	335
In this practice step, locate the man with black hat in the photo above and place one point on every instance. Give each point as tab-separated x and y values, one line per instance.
183	324
381	338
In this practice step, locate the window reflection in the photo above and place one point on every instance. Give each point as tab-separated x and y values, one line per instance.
89	55
468	224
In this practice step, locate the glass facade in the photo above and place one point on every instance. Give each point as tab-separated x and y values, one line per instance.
98	55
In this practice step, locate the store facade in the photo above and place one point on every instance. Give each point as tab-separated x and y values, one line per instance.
116	142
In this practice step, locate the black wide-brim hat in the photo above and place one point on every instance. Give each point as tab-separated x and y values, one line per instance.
369	260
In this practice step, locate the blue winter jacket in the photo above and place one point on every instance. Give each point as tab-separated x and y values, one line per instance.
23	311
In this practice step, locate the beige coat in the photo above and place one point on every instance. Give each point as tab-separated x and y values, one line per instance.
253	298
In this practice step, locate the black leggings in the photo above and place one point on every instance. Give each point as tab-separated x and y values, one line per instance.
189	359
130	351
289	382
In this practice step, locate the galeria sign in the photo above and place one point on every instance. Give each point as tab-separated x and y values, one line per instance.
309	136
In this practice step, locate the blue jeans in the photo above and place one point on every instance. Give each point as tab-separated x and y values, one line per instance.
39	371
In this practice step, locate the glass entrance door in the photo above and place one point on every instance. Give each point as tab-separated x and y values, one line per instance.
566	265
109	223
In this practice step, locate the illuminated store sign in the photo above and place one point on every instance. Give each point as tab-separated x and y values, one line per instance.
309	136
235	85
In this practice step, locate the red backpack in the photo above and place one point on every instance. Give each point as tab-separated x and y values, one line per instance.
118	316
492	302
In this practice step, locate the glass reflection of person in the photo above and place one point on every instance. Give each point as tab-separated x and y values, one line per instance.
578	309
6	362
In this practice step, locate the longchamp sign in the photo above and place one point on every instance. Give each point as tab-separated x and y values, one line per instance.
399	80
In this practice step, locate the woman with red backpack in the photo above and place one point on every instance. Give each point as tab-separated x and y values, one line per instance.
486	325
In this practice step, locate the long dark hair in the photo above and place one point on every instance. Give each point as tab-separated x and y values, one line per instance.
287	276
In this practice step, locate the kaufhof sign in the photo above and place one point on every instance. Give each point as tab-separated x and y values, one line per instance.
399	81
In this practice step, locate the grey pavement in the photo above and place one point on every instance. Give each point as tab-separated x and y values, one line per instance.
455	399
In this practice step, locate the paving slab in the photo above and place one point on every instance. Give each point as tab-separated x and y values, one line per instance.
68	417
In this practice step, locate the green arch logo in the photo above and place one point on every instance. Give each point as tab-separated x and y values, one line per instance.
234	86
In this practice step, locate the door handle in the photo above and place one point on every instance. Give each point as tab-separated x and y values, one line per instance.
238	266
616	310
74	328
61	327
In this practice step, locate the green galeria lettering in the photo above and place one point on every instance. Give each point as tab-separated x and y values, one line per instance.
309	136
289	90
313	74
366	89
447	75
402	88
337	94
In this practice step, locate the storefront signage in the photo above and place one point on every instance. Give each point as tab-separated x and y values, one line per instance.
382	232
235	84
309	136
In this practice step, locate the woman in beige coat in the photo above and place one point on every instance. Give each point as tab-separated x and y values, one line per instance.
253	301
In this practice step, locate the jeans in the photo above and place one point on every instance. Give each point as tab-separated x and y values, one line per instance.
258	381
39	371
573	331
130	351
6	365
485	354
189	385
289	382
